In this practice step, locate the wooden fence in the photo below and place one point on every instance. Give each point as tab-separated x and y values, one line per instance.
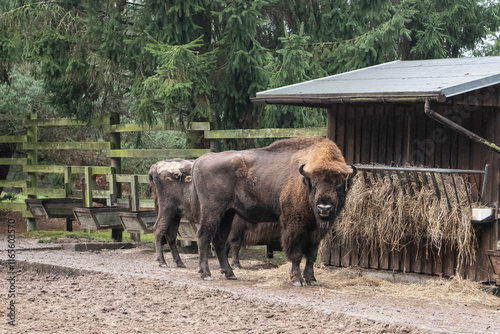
112	149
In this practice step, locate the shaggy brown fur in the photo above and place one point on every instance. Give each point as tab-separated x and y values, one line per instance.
272	188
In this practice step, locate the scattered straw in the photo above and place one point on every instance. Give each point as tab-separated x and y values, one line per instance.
359	281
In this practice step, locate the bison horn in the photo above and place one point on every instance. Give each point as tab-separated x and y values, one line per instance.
303	172
354	172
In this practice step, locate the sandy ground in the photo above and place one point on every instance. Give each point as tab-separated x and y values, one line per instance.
59	290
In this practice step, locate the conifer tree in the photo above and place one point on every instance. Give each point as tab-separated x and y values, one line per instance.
242	60
290	66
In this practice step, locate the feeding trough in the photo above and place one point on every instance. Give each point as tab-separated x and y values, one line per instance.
101	218
483	215
188	231
138	221
53	207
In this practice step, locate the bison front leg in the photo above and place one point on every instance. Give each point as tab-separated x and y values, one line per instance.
311	255
293	243
295	275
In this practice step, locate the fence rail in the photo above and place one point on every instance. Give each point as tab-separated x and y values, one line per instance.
112	149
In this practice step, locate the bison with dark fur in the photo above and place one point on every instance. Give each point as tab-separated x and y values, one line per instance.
170	183
301	182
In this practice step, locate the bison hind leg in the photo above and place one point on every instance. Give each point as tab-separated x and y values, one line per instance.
172	238
160	241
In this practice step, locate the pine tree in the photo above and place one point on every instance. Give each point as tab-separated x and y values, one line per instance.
242	60
180	88
291	65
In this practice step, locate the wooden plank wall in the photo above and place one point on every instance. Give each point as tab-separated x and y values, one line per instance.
399	134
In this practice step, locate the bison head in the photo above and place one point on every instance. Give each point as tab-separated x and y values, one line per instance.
327	187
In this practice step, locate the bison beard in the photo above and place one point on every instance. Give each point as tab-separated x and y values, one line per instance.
301	182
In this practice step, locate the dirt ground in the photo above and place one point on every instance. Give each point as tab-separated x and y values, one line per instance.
59	290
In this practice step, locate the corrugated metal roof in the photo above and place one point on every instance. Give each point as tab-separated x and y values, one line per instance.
414	79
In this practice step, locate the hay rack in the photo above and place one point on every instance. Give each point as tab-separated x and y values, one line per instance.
413	179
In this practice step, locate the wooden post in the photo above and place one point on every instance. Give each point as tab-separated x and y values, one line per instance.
112	198
87	193
135	205
116	163
32	155
214	145
67	187
67	181
330	124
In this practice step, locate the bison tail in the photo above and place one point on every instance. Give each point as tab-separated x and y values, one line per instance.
154	181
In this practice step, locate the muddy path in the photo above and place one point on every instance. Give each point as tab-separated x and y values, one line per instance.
59	290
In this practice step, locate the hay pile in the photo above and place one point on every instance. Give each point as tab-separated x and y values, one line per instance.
393	209
359	281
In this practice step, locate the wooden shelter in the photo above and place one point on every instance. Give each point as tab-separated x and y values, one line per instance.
441	113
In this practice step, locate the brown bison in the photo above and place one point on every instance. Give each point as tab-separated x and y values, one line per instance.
170	183
301	182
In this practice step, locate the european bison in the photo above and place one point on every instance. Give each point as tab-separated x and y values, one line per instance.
170	183
301	182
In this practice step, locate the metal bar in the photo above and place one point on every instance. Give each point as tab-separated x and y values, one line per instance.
445	192
434	181
420	169
485	180
417	181
456	191
454	126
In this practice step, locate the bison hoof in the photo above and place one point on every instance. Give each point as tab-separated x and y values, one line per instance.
237	266
207	278
297	284
181	265
231	277
163	265
312	282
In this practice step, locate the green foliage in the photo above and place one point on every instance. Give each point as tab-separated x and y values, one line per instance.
182	83
371	39
8	197
153	60
20	96
290	66
243	59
